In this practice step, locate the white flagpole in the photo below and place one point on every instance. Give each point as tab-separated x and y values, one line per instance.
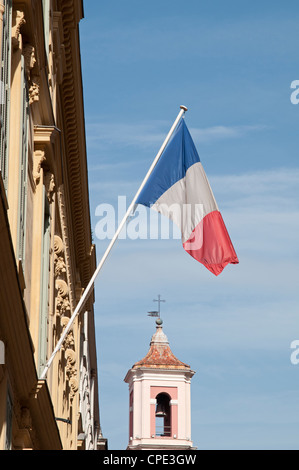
113	240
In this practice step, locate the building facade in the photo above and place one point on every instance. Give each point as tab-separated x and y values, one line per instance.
159	399
46	249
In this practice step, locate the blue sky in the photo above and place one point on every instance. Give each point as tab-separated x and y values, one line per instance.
231	63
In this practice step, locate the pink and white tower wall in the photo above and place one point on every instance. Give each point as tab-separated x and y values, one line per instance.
159	399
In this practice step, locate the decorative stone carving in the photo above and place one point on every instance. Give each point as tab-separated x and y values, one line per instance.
59	266
34	89
74	387
66	238
17	22
69	341
33	80
62	288
58	245
62	300
71	372
50	186
63	306
70	356
39	158
64	321
30	60
71	359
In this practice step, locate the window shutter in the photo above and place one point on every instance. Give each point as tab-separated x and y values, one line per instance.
44	290
23	165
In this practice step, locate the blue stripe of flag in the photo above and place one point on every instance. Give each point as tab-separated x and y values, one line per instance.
179	154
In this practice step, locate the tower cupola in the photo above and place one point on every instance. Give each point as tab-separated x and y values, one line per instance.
159	403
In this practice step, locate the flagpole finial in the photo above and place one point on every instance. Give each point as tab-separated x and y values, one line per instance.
184	108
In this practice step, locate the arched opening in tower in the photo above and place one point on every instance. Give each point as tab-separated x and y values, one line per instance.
163	418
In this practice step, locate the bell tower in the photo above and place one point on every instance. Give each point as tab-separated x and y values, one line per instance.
159	399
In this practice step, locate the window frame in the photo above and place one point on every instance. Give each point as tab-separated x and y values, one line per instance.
23	168
5	78
44	284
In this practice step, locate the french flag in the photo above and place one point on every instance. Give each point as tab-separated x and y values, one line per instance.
179	189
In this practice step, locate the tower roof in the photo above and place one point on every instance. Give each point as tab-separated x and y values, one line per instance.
160	355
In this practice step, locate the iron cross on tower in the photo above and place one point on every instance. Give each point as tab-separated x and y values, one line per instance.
156	313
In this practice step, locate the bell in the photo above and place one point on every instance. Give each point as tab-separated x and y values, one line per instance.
160	411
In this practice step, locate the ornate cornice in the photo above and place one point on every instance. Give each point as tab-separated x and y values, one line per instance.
74	132
45	135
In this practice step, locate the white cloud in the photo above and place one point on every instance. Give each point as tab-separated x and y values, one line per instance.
141	135
104	134
281	182
210	134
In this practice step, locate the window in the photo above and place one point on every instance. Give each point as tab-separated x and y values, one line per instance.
23	165
43	322
5	89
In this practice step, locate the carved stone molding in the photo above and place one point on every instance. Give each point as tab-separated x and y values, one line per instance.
71	359
71	372
59	263
65	285
45	135
66	243
62	299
